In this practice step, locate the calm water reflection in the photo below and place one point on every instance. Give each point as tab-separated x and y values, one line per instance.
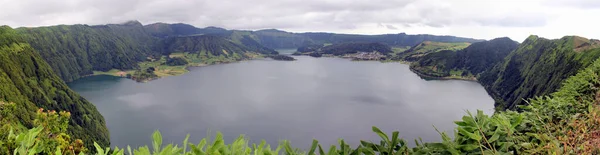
324	98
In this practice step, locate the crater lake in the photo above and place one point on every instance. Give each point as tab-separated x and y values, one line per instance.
311	98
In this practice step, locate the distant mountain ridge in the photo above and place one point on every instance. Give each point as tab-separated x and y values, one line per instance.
347	48
277	39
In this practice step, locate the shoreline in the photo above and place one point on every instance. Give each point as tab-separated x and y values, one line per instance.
186	68
197	65
420	74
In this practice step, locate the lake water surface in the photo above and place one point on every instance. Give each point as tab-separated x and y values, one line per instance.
320	98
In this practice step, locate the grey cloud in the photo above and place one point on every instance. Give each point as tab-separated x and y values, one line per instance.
248	14
391	27
584	4
522	20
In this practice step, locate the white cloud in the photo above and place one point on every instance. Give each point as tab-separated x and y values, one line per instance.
484	19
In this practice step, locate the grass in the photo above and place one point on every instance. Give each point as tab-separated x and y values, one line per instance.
114	72
178	54
203	58
431	72
399	49
424	48
163	70
430	46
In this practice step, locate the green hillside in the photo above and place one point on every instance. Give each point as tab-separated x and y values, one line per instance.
465	63
512	73
29	82
180	52
163	30
537	67
74	51
426	47
208	46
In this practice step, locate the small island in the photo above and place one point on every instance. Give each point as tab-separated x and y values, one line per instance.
281	57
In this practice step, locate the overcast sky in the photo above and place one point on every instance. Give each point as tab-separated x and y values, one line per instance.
483	19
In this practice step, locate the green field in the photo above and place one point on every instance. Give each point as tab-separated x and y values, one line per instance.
114	72
163	70
399	49
430	46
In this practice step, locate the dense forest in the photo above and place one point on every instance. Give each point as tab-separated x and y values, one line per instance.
472	60
213	45
510	72
537	67
28	81
176	61
414	53
74	51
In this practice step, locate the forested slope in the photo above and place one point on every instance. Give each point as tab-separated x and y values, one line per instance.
513	73
209	45
74	51
28	81
415	52
472	60
537	67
